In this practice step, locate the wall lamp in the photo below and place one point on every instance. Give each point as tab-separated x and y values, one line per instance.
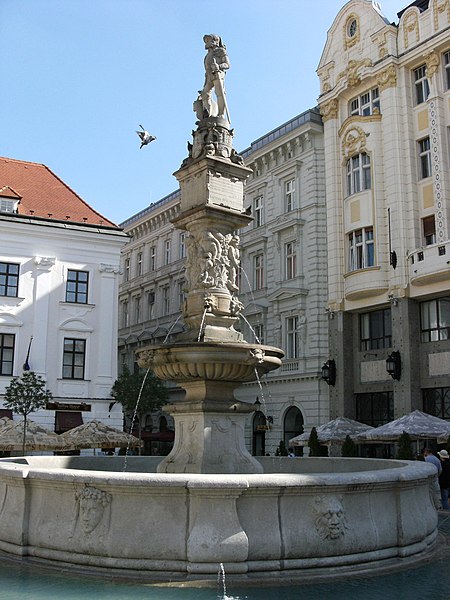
393	300
329	372
394	365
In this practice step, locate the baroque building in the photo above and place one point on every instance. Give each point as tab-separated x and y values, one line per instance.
385	103
59	270
282	283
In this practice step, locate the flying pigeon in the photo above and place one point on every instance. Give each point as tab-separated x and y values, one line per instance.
146	138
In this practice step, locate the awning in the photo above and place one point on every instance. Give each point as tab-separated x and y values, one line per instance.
6	412
65	420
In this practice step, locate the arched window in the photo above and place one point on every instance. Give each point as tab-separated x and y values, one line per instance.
259	434
163	424
148	423
293	426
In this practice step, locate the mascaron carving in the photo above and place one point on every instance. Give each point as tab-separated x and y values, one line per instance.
432	63
354	141
329	517
329	110
387	78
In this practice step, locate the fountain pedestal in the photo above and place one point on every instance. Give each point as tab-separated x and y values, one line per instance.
211	359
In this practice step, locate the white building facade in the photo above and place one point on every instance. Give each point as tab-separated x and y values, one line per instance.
385	102
282	281
58	295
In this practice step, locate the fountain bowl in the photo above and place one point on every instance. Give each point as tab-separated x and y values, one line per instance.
304	515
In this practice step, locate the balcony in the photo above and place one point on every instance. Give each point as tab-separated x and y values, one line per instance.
364	283
430	264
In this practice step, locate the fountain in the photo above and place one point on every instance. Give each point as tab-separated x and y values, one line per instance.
210	505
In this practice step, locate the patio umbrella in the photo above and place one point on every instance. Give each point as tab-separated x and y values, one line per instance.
333	432
36	437
96	434
417	424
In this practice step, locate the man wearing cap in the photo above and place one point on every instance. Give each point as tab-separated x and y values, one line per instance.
444	478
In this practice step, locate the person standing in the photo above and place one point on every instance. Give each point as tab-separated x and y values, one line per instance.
434	460
444	478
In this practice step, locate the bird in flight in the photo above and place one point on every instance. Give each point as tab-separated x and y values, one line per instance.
146	138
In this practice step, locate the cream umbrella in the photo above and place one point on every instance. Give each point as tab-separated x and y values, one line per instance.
333	432
417	424
36	437
96	434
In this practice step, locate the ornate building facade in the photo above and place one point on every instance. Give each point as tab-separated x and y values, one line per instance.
282	282
385	103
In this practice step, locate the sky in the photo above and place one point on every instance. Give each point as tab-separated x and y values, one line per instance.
80	76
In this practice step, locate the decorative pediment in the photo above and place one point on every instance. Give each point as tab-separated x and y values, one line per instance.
439	7
256	307
410	21
286	294
9	320
76	325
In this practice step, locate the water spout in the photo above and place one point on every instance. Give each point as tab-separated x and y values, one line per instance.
134	418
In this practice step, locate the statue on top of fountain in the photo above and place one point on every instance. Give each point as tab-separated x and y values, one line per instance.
213	138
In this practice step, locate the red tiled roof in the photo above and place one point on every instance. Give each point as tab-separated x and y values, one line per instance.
43	194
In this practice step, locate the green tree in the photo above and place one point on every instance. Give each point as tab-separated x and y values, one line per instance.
349	448
281	450
313	443
25	395
140	392
404	447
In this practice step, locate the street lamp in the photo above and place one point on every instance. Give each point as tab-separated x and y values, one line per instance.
329	372
394	365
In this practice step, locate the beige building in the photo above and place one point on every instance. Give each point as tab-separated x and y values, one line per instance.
282	281
385	102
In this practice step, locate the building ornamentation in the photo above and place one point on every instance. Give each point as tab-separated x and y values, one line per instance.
104	268
440	7
329	110
354	142
329	517
437	174
351	31
44	263
432	63
410	25
351	72
387	78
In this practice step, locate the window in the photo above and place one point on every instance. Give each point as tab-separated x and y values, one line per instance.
125	316
358	174
292	337
258	271
436	402
421	84
375	408
127	269
365	104
139	264
152	258
290	260
375	329
447	69
74	358
258	211
259	333
7	205
166	299
150	304
429	230
167	252
137	309
352	28
361	250
9	279
424	158
289	195
181	294
182	245
435	320
77	286
6	353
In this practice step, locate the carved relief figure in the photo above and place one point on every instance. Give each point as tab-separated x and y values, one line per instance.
91	505
216	63
329	517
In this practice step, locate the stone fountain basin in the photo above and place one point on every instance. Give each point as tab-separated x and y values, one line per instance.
211	361
301	515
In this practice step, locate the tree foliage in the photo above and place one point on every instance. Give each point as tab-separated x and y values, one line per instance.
313	443
349	448
281	450
127	390
25	395
404	447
